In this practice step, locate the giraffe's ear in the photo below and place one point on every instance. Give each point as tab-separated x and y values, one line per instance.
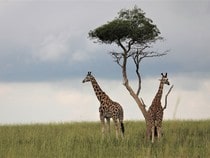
162	74
166	74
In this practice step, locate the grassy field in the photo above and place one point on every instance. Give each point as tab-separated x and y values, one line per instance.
181	139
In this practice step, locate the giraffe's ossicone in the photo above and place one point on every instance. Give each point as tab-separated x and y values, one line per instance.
108	108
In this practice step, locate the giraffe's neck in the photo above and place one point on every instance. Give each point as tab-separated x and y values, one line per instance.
98	91
158	95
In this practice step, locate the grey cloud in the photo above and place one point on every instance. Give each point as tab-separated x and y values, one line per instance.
43	41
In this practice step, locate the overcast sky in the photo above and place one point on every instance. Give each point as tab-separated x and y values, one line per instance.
45	53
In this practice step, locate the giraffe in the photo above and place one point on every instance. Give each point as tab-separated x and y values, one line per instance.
108	108
155	111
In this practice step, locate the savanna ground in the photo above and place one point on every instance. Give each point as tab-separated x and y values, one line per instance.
181	139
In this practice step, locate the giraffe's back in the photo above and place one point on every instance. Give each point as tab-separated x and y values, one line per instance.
112	109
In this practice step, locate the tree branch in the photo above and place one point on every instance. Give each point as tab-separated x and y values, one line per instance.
143	102
130	43
167	96
137	56
121	45
117	57
137	60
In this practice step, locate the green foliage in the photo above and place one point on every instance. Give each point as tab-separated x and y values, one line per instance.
111	32
130	26
83	140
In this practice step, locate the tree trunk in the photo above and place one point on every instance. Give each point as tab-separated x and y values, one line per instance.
130	90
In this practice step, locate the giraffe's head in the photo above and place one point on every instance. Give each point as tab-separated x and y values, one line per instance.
164	79
88	78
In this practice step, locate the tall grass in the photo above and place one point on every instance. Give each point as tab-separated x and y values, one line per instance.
83	140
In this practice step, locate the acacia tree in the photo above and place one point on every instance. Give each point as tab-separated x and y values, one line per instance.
134	33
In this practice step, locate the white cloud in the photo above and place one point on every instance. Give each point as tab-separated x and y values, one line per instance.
192	100
67	45
53	47
72	98
4	90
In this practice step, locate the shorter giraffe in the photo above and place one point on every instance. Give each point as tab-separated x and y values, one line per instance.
155	112
108	108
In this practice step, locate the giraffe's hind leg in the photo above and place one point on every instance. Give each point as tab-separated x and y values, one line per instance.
153	133
116	127
159	132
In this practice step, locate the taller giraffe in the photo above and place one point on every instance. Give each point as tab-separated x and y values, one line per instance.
108	108
155	112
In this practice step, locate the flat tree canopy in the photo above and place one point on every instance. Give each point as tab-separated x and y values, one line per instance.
131	26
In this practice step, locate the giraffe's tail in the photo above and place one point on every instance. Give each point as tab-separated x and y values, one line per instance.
122	127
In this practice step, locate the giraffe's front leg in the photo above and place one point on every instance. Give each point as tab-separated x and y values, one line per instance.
102	124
